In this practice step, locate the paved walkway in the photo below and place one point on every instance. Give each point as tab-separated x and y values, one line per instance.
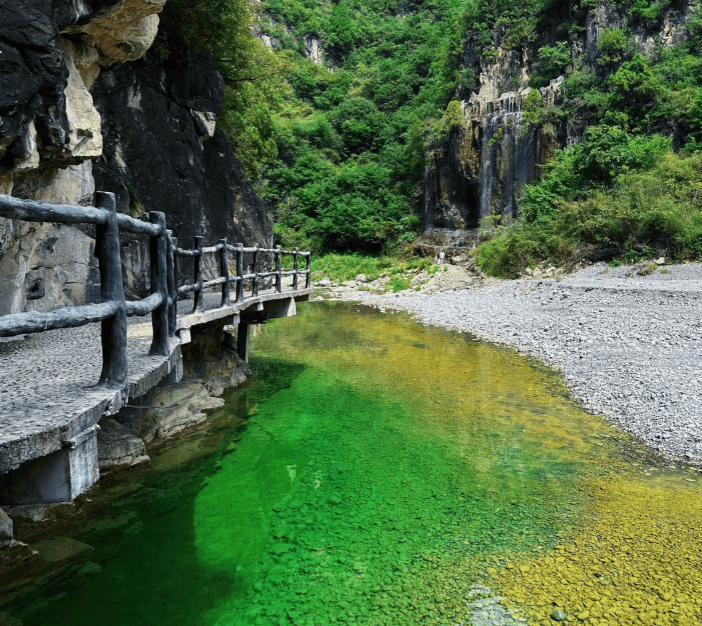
47	381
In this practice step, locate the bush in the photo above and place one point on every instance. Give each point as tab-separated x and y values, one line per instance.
607	151
613	44
552	59
533	109
656	209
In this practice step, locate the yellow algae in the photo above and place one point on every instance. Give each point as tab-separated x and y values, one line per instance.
637	561
470	386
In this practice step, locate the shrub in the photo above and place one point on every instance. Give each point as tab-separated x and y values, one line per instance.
613	44
655	208
533	110
552	59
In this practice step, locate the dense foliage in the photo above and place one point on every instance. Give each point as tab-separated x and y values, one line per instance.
351	144
338	147
621	191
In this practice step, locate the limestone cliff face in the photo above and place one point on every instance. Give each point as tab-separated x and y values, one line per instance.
480	169
162	152
80	109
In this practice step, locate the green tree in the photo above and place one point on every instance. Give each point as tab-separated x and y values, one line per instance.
635	88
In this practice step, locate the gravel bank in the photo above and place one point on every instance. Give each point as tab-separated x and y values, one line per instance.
629	347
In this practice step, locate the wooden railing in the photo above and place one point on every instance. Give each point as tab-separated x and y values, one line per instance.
223	249
113	311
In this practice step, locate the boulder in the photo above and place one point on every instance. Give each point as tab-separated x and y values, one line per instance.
118	447
6	526
122	32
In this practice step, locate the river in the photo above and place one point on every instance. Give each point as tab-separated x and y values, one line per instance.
375	471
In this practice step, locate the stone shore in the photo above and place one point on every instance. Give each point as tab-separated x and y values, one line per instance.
629	345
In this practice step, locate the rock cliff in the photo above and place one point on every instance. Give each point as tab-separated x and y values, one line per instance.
479	169
86	102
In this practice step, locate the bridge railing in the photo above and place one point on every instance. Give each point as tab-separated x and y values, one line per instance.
113	311
222	249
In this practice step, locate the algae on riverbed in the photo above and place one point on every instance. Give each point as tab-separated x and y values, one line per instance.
636	562
385	470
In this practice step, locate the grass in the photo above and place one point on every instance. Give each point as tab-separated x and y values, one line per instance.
343	267
400	284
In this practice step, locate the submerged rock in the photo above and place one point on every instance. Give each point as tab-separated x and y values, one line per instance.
61	549
559	615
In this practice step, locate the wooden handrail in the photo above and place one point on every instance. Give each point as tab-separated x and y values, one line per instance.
223	248
162	303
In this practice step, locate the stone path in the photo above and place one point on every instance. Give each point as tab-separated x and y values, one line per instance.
47	383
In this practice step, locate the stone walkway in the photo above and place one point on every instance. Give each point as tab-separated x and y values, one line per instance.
48	392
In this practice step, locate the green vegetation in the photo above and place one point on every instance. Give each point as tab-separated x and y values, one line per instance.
621	191
353	137
337	148
643	212
343	267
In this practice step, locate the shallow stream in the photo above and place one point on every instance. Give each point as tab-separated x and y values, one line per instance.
378	472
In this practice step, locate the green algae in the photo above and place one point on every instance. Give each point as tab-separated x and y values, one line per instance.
383	469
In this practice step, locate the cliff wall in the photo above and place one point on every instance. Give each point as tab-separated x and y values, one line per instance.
87	101
479	169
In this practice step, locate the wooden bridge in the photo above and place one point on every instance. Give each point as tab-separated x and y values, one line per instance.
81	364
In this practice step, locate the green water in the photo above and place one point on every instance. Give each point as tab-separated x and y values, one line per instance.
381	468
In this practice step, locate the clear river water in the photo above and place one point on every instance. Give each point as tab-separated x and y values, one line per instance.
375	471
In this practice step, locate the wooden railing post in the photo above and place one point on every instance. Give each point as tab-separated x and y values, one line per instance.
171	245
159	284
308	282
197	305
295	253
279	270
240	272
254	282
113	330
224	269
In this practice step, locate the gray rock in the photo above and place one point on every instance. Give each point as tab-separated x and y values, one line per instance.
6	526
118	447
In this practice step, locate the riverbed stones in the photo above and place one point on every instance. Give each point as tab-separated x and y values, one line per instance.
629	346
559	615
